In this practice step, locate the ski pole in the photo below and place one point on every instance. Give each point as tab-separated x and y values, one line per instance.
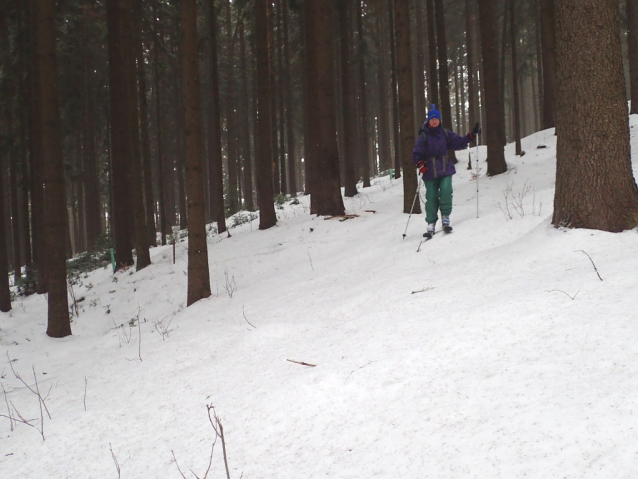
418	187
477	178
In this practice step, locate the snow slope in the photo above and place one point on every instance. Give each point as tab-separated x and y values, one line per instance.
493	352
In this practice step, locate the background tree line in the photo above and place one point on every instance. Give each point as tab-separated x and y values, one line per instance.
123	119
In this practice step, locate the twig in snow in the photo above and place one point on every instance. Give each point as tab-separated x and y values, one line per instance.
85	385
301	362
178	468
117	464
561	291
422	290
216	422
244	313
313	268
592	263
8	408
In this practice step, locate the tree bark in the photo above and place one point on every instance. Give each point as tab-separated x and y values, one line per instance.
290	129
120	153
198	272
595	188
515	95
491	74
444	76
59	324
433	83
267	215
348	100
249	202
326	198
406	122
215	162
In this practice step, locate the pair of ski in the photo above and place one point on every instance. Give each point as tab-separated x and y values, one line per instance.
446	229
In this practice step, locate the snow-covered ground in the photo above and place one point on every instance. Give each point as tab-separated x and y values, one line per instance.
493	352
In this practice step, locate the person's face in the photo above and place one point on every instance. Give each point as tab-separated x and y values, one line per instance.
434	122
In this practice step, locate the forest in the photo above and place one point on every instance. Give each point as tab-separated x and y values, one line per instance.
126	122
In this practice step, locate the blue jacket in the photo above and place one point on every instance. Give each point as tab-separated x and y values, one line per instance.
435	155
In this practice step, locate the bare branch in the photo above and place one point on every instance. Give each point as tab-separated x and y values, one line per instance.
592	263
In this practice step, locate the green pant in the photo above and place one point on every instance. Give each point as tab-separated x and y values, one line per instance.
438	194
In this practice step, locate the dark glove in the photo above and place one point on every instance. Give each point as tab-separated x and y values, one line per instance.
475	132
421	166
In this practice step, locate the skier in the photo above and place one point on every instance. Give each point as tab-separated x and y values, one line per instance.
430	157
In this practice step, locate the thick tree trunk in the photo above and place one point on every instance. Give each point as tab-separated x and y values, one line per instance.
35	161
491	71
120	154
267	215
198	272
326	198
406	122
59	324
595	187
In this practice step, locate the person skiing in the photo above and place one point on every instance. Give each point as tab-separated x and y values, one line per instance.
430	157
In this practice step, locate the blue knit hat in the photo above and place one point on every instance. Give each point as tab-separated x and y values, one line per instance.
434	113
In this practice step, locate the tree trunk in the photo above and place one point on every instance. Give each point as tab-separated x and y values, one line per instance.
149	204
433	71
419	104
382	82
595	188
495	116
267	215
548	45
59	324
290	131
198	272
444	77
249	202
348	100
231	126
35	161
215	165
515	95
326	198
366	154
394	84
161	188
90	167
5	293
406	122
120	154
